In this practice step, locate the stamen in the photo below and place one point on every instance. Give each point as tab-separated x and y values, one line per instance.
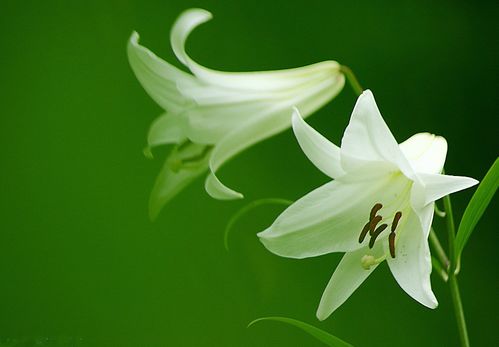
364	232
375	210
396	219
373	223
376	233
391	243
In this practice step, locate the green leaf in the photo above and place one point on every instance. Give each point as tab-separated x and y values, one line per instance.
247	208
321	335
478	203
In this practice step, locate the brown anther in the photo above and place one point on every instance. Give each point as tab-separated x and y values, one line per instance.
364	232
396	219
376	233
391	243
375	210
373	223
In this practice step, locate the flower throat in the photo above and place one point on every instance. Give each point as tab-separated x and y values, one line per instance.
375	230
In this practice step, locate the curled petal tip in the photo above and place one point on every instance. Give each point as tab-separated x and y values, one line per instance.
321	316
196	11
367	92
134	37
148	153
263	234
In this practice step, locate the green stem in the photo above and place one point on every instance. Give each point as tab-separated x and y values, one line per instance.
354	83
439	250
454	288
458	309
440	270
451	229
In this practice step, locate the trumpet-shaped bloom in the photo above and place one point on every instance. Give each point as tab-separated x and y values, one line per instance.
378	207
226	112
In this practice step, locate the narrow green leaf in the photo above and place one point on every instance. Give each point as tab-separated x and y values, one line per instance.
478	203
321	335
247	208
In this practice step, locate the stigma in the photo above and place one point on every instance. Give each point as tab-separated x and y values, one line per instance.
368	260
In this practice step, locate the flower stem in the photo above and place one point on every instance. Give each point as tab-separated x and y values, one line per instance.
439	268
458	309
454	288
354	83
439	250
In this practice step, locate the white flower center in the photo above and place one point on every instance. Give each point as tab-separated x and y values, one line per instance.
378	223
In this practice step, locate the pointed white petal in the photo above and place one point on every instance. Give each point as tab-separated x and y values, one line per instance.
167	128
171	180
218	190
158	77
248	81
331	218
215	103
347	277
272	121
426	152
367	138
411	266
231	110
437	186
321	152
184	25
210	123
425	216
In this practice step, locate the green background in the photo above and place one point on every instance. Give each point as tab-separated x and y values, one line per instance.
81	264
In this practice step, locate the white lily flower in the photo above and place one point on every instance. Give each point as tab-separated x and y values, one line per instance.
378	207
228	111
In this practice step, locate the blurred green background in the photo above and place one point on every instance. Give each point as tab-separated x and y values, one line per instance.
81	264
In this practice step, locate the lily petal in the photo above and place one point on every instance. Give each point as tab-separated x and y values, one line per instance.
411	266
248	81
367	138
437	186
210	123
330	218
347	277
275	120
322	153
227	109
158	77
215	102
173	178
166	129
426	152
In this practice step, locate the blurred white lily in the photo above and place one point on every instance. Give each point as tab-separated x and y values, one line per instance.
378	207
223	112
